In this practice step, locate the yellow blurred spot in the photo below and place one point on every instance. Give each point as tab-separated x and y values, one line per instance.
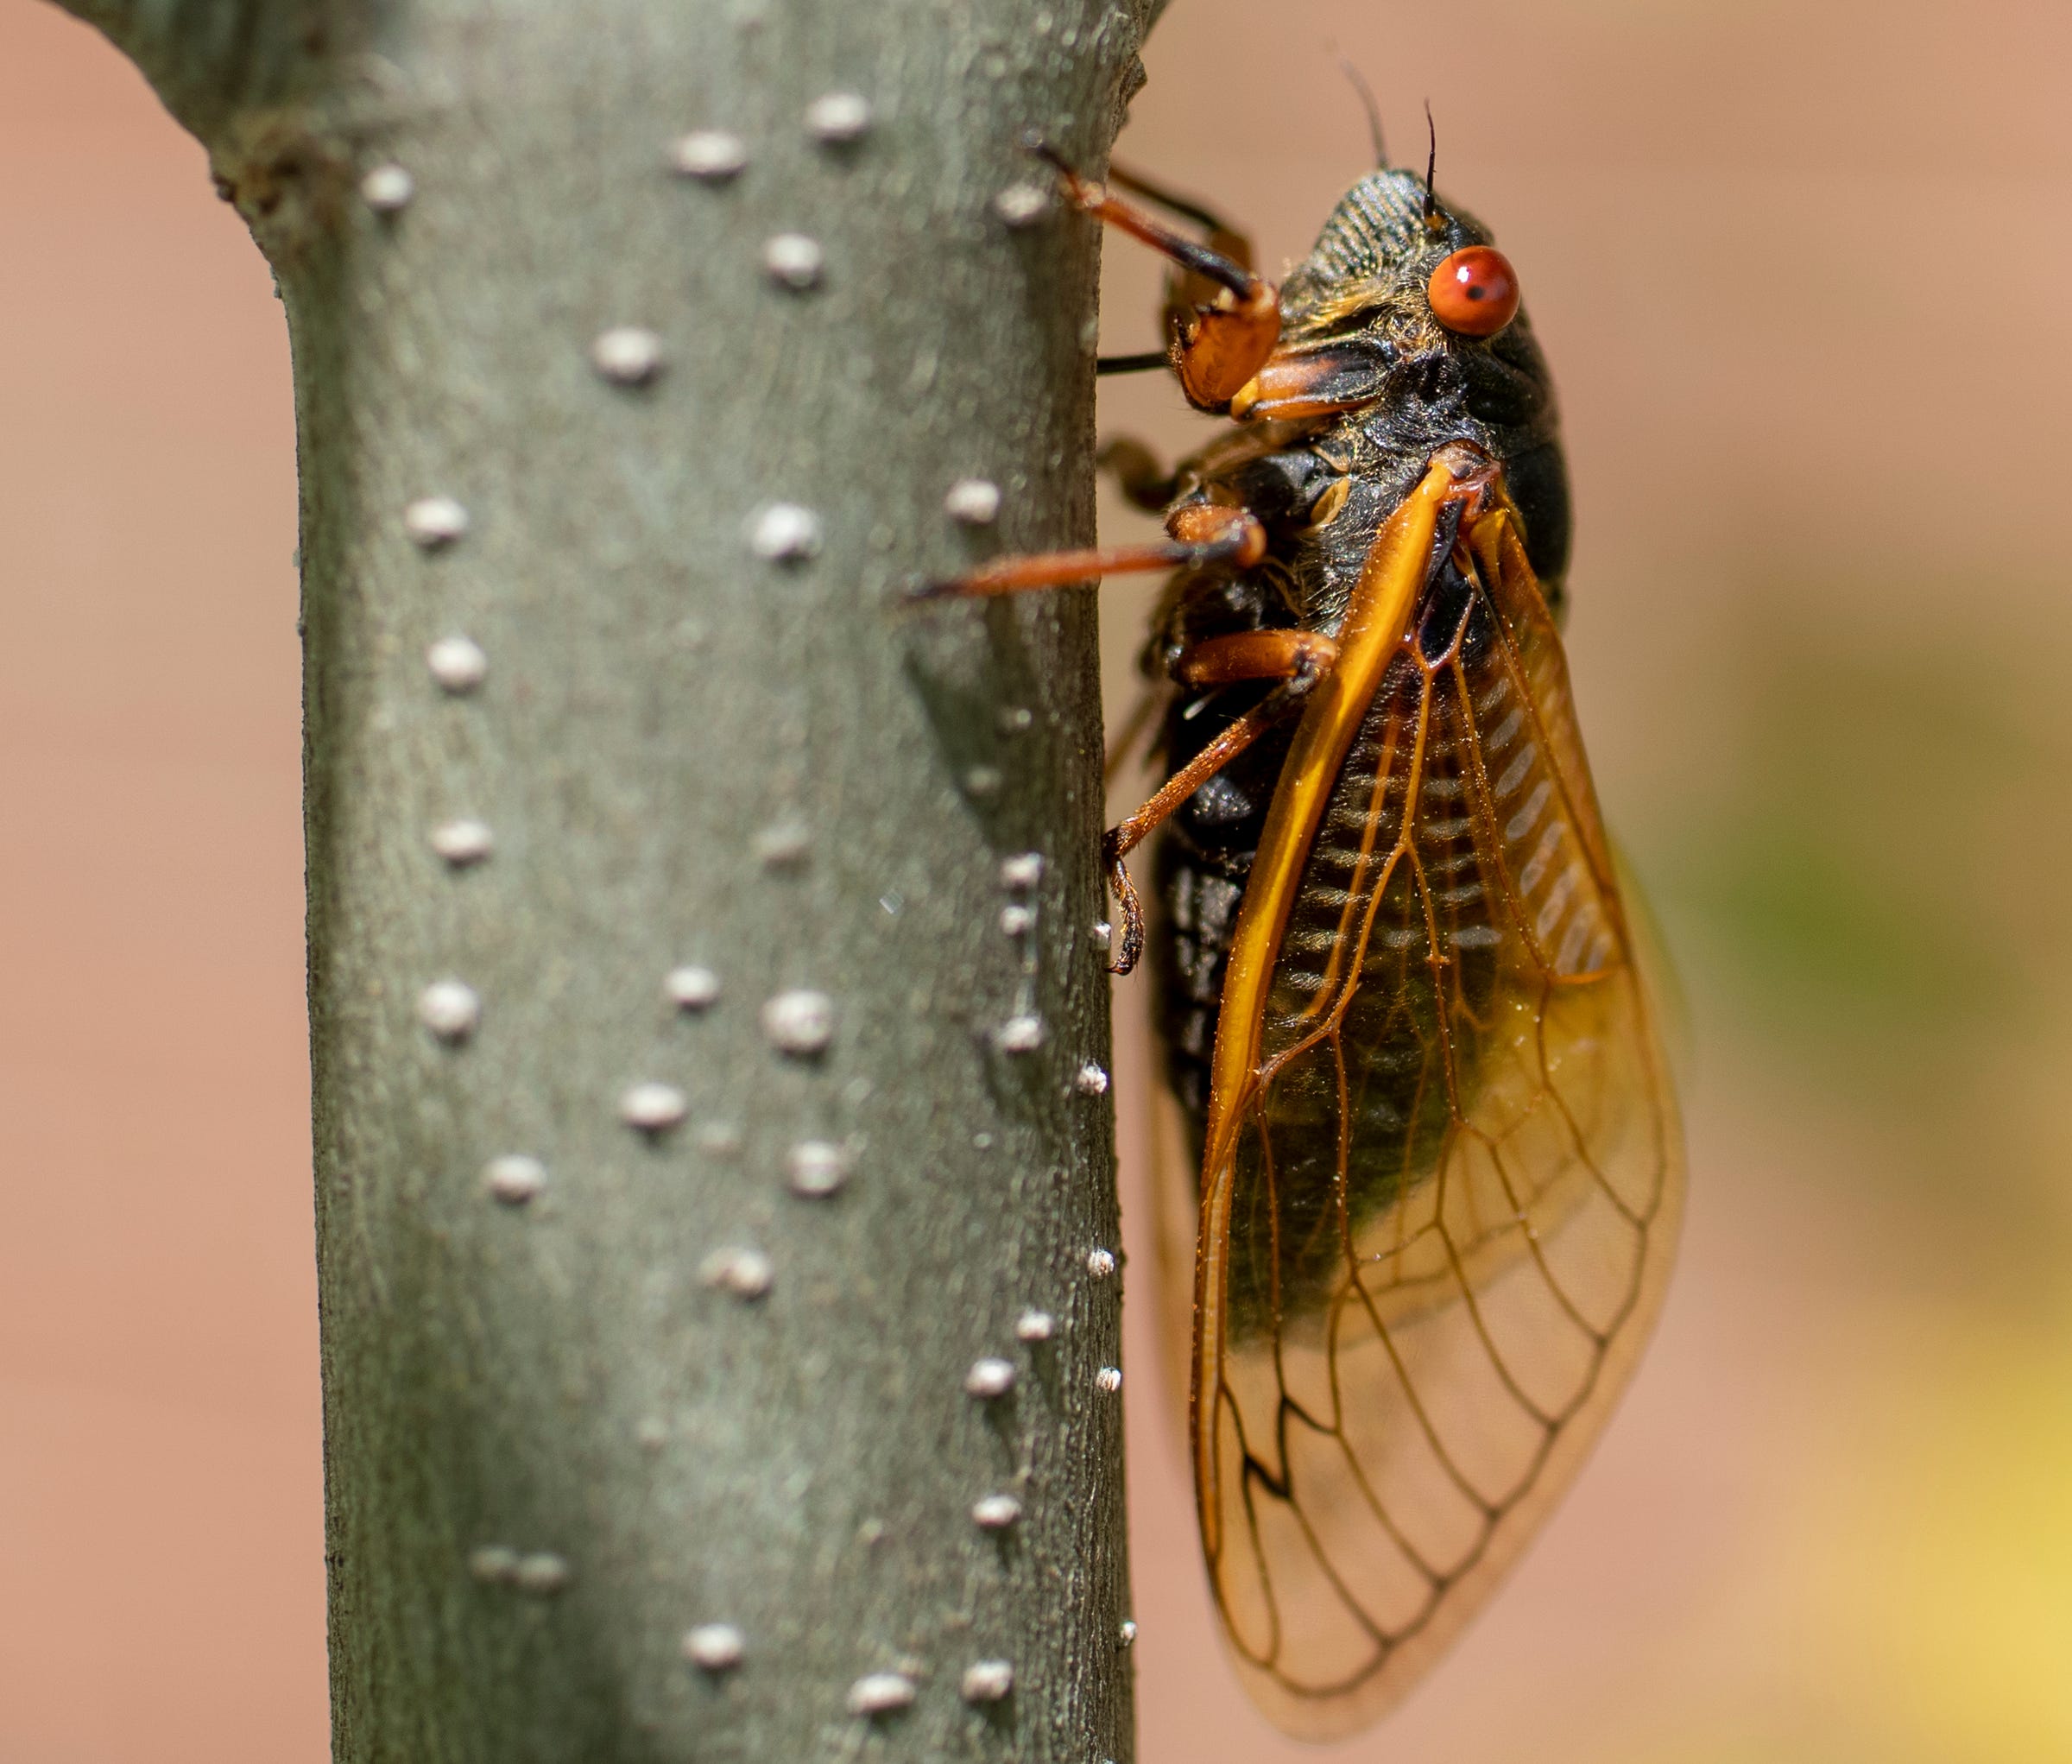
1946	1590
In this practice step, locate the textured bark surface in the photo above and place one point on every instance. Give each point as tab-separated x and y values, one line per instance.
561	1434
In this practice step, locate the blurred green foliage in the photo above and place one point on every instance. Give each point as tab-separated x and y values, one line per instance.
1867	855
1866	880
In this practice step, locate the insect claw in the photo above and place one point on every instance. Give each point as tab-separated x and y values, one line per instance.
1124	955
1082	192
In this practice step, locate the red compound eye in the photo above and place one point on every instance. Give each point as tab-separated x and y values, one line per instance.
1474	292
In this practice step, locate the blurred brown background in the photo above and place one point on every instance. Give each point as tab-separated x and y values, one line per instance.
1805	274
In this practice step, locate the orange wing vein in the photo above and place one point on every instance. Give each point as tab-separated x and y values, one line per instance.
1444	1167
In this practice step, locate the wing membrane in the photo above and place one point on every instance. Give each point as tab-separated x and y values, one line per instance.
1447	1177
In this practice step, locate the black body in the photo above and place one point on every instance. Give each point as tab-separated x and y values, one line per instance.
1362	292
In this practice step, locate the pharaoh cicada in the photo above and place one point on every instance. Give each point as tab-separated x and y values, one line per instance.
1439	1162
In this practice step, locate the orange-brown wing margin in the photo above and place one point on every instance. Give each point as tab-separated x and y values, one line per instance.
1444	1168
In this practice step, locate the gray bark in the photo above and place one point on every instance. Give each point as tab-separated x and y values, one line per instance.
560	1435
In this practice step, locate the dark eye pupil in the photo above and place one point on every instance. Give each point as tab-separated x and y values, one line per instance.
1477	292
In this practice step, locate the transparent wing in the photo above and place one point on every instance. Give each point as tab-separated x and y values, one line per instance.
1449	1185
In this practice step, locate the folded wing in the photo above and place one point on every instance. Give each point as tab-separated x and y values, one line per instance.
1440	1205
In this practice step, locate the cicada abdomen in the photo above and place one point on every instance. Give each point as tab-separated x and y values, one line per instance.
1441	1165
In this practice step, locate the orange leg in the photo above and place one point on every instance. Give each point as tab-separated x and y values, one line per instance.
1204	534
1222	237
1298	660
1185	289
1219	345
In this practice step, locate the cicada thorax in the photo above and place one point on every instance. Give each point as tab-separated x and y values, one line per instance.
1359	302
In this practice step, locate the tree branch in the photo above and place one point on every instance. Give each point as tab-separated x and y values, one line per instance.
682	1385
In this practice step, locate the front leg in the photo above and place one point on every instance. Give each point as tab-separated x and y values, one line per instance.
1218	343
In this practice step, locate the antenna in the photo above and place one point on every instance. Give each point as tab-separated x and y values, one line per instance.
1373	109
1431	167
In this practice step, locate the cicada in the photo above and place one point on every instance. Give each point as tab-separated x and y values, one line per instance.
1439	1163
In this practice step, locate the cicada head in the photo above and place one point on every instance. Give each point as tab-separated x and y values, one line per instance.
1417	288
